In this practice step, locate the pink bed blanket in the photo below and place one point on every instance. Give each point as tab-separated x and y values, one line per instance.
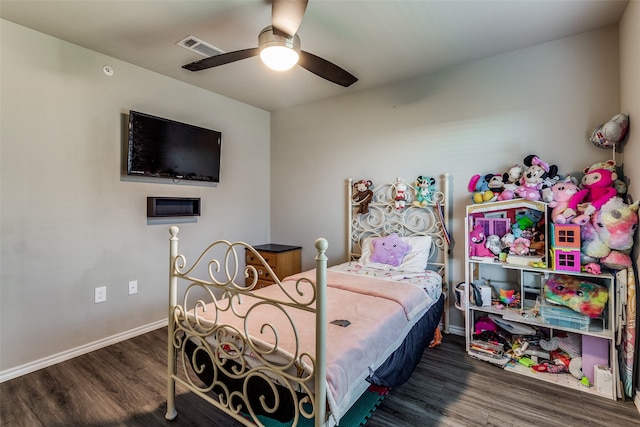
379	312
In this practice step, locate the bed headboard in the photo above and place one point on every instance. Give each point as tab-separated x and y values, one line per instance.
430	217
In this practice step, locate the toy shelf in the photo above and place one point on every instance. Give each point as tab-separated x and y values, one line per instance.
529	311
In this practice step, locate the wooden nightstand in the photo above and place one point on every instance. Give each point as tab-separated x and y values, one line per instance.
284	260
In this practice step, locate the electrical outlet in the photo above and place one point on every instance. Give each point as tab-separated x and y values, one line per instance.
101	294
133	287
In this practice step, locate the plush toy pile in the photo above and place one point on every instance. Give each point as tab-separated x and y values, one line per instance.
596	202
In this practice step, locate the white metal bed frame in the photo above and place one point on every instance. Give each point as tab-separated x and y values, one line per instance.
224	286
382	219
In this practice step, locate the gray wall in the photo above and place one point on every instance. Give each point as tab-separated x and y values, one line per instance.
70	222
630	104
479	117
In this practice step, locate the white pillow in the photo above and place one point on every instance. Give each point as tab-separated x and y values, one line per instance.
415	261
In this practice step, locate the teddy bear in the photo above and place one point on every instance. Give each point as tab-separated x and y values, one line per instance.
425	186
363	195
477	243
562	192
597	188
533	177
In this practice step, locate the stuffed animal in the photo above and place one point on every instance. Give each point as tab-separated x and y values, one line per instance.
597	189
511	180
533	177
401	195
608	237
363	195
425	187
562	193
495	182
537	241
479	187
493	244
520	246
477	243
529	219
572	345
390	250
546	195
582	296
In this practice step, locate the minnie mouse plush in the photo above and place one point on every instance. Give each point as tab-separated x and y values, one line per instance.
533	177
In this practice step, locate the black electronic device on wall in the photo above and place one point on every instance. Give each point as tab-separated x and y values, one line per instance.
164	148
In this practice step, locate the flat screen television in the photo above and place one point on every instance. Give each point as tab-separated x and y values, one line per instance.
164	148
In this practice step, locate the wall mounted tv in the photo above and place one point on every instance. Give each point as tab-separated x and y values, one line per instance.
165	148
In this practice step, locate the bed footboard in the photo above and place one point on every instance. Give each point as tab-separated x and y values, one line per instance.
237	347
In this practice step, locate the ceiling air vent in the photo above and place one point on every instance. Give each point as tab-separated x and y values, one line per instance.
198	46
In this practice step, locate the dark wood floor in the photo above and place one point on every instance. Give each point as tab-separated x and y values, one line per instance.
124	385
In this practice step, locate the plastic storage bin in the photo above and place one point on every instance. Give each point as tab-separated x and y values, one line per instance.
565	317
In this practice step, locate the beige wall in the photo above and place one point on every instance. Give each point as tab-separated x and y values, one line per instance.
71	223
479	117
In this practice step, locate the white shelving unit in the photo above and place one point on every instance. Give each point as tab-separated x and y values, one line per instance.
529	281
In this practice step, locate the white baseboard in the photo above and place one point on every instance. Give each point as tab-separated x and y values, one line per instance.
456	330
27	368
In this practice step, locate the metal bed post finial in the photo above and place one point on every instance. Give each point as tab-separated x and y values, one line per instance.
173	298
321	333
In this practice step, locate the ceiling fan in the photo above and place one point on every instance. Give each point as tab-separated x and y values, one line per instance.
280	38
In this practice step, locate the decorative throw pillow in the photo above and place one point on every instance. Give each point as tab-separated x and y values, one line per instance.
415	261
584	297
389	250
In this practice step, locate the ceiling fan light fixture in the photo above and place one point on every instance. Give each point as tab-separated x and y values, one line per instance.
278	52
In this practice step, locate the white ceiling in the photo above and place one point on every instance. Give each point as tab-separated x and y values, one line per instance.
379	41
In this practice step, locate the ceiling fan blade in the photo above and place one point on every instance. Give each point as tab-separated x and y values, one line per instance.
325	69
223	58
286	16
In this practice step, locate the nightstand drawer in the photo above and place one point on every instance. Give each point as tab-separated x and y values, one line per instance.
270	257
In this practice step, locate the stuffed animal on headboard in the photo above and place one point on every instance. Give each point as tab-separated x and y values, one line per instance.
363	195
400	195
425	186
579	295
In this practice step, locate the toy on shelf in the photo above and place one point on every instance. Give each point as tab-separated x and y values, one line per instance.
533	177
607	238
477	243
479	188
565	247
511	180
597	188
562	192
